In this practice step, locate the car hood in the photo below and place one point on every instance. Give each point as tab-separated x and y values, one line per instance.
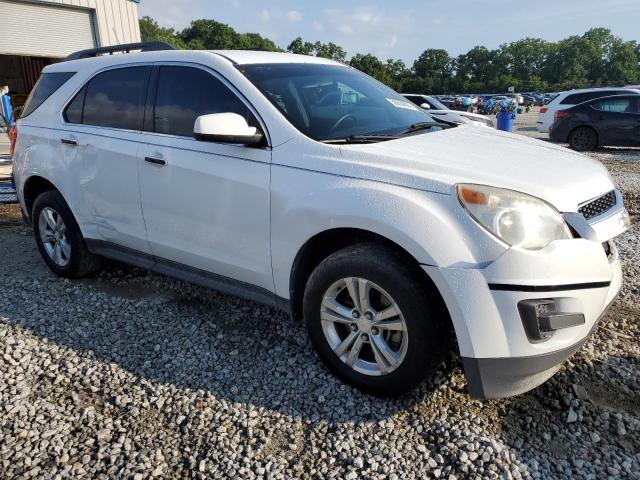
473	116
448	115
437	161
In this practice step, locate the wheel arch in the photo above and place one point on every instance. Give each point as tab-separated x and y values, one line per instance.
327	242
33	187
587	126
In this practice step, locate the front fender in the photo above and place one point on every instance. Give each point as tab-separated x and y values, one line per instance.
432	227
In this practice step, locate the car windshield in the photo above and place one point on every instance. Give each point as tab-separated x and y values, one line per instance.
331	102
437	104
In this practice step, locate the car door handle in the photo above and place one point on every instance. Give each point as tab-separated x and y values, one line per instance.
69	141
155	161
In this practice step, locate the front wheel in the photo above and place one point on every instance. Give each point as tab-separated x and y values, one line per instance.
583	139
59	239
374	322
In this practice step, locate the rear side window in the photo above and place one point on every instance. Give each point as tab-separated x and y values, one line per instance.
185	93
578	98
623	105
113	99
47	85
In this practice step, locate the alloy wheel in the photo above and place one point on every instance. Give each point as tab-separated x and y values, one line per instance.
582	139
364	326
53	234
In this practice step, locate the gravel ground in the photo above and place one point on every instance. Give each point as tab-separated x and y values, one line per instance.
134	375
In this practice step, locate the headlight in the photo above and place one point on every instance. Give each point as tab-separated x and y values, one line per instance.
516	218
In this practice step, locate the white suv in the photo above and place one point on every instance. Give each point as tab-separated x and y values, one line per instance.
303	183
572	98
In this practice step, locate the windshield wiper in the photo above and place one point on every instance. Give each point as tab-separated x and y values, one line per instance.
416	127
361	139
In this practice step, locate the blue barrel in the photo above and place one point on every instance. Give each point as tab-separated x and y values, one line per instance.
505	121
6	109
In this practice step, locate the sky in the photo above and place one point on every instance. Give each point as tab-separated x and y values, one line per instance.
404	28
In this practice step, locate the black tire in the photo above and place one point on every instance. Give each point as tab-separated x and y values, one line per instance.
583	139
80	262
426	319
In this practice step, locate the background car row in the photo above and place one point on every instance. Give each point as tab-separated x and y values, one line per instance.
583	118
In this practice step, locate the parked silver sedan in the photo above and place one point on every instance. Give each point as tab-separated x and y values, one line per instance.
437	109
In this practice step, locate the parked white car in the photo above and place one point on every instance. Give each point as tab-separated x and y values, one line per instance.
572	98
304	184
437	109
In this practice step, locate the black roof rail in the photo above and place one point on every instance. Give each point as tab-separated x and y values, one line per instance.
124	48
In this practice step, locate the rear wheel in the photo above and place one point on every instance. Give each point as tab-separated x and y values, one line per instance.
374	322
583	139
59	238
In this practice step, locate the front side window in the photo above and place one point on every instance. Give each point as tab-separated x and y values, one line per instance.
437	104
185	93
623	105
47	85
416	100
114	99
331	102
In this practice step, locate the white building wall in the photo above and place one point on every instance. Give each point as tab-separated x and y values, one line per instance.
116	20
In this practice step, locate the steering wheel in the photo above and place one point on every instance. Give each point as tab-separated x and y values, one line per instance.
342	120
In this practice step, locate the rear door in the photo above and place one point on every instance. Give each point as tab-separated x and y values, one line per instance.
100	143
206	205
616	121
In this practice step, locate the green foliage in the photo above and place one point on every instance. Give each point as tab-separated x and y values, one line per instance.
150	31
325	50
205	35
594	59
212	35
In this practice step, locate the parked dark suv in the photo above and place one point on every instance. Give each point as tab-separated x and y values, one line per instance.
608	121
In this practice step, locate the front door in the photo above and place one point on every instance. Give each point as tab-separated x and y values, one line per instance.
617	121
206	205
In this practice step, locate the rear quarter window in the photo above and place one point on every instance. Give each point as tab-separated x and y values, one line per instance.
47	85
574	99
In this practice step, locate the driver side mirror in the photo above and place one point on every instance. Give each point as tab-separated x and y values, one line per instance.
426	106
226	128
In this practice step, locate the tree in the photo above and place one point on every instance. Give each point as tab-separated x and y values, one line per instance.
372	66
300	47
150	31
531	64
525	58
436	67
325	50
212	35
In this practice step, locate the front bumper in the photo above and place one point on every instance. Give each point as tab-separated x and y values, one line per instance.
498	356
542	127
505	377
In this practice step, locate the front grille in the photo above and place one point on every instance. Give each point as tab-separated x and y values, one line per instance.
598	206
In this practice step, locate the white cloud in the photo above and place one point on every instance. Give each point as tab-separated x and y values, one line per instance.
294	16
265	15
364	29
